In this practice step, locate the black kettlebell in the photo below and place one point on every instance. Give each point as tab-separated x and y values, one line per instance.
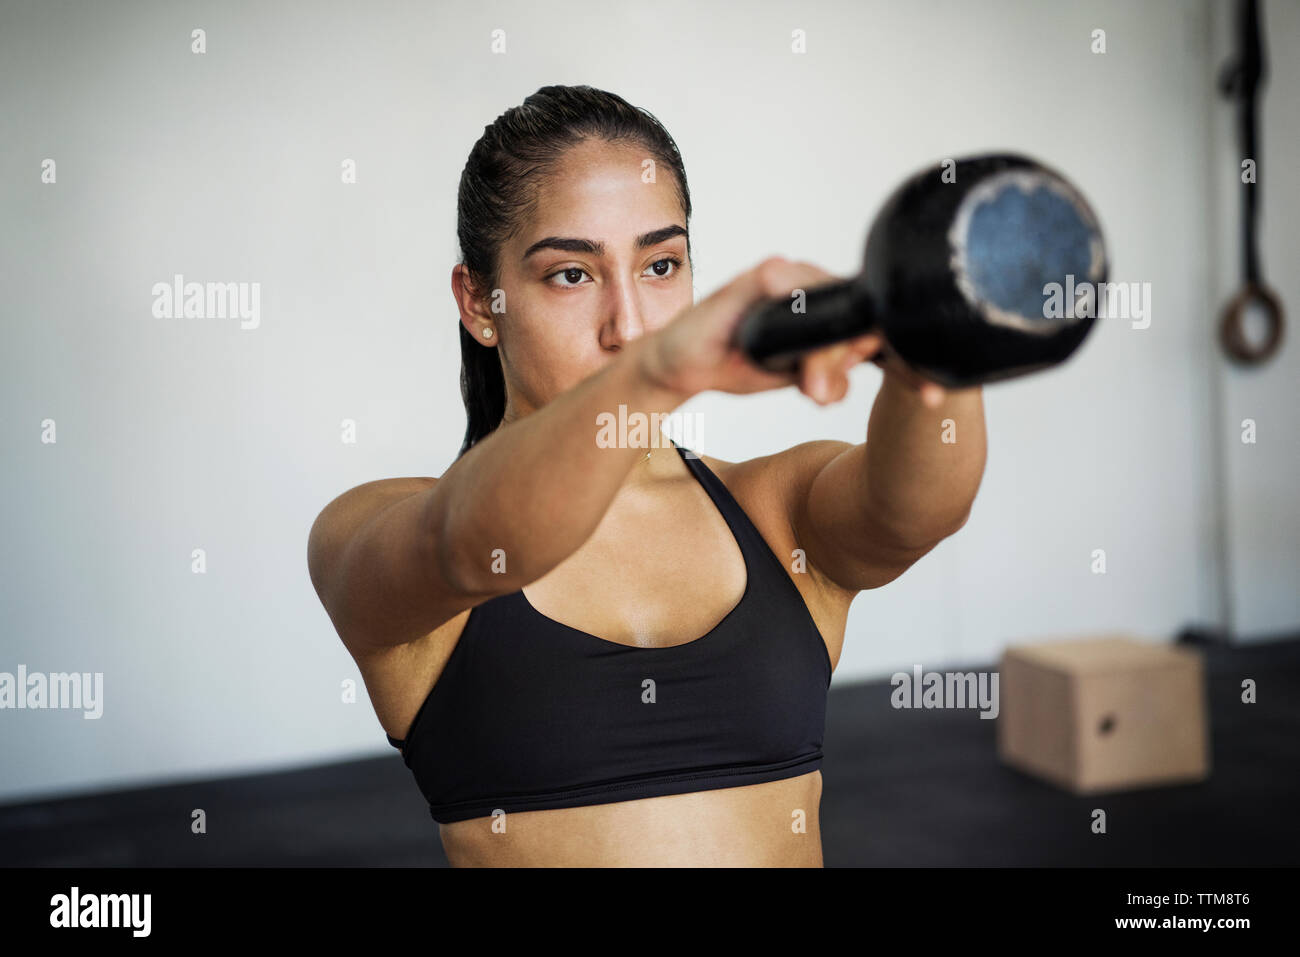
975	270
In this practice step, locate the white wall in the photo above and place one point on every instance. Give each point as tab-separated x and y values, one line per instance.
182	434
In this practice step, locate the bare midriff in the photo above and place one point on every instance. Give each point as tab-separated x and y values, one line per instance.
773	824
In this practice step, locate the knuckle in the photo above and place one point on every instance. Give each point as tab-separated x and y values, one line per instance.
773	273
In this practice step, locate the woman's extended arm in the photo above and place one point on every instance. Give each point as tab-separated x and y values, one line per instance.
864	513
392	560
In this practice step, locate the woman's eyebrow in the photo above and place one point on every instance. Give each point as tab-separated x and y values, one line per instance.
595	248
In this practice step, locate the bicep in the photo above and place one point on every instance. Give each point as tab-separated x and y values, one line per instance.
841	535
371	555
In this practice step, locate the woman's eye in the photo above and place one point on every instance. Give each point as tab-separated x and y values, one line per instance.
567	274
666	261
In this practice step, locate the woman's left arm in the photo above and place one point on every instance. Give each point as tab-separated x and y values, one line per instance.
864	513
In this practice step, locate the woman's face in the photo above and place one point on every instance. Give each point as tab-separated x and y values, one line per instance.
601	262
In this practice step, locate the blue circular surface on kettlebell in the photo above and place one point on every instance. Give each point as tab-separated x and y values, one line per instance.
1018	241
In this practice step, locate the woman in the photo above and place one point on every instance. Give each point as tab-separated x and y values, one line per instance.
619	656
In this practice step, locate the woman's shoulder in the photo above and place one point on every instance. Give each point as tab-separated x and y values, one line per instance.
345	518
783	475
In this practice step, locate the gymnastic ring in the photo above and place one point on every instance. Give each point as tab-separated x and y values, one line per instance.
1230	330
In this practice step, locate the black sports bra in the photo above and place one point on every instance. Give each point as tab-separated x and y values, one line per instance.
530	714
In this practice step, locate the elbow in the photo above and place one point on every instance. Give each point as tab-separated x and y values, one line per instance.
922	542
961	523
953	528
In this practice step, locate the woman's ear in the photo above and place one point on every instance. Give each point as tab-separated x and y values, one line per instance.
475	314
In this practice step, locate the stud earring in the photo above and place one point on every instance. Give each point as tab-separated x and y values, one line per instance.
487	333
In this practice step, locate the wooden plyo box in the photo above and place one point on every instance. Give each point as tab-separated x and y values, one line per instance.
1103	714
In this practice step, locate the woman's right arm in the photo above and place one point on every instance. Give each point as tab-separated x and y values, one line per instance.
394	559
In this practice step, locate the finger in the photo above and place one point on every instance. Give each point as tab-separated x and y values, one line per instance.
826	370
811	275
781	278
763	379
744	291
863	348
826	388
870	342
817	372
843	356
840	388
